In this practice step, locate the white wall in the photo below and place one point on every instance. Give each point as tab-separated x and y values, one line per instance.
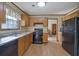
50	22
59	33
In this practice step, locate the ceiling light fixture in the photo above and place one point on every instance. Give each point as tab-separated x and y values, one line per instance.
41	4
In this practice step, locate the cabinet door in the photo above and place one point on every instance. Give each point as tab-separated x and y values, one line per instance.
31	37
45	22
20	46
23	44
45	37
2	12
25	20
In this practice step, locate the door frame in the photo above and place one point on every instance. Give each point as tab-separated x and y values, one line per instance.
56	29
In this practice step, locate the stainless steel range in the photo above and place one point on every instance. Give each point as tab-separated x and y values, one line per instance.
37	36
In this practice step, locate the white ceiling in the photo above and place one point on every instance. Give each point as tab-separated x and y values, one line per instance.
51	8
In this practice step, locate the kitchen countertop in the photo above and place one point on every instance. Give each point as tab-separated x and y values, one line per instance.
10	38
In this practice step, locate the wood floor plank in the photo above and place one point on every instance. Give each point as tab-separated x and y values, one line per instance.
49	49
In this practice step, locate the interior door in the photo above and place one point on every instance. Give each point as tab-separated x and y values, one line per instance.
54	29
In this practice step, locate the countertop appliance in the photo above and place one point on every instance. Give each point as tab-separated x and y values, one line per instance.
70	35
37	36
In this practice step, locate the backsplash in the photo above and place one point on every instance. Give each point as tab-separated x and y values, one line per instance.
27	29
9	32
45	29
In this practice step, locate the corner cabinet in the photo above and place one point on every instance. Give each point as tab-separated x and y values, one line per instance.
2	12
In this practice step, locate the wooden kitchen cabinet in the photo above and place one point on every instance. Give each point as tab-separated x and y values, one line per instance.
23	43
72	15
34	20
20	46
17	46
24	20
45	37
2	12
45	22
31	37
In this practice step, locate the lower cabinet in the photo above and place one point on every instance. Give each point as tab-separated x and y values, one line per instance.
9	49
24	43
16	47
45	37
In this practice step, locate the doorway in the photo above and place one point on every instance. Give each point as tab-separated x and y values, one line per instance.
52	30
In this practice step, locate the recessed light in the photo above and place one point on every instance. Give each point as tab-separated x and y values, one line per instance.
41	4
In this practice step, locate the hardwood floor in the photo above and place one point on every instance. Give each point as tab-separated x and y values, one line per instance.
48	49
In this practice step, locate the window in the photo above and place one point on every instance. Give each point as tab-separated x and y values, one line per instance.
12	19
10	24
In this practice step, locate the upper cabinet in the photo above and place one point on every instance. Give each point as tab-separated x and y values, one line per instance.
72	15
2	12
24	20
34	20
45	22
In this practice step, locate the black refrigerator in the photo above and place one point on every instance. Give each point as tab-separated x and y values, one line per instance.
70	35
